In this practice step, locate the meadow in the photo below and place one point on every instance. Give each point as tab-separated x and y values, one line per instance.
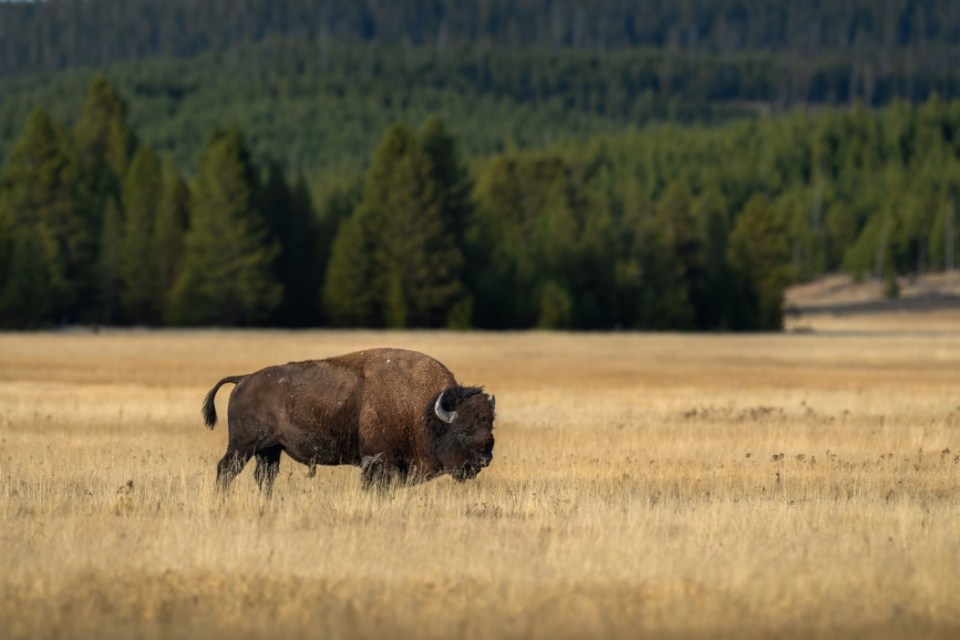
803	484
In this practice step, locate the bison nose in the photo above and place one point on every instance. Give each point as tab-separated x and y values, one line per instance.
484	460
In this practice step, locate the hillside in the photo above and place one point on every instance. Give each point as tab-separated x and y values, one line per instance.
917	41
930	303
841	294
311	111
313	84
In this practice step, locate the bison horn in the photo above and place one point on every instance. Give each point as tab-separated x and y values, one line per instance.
443	414
493	403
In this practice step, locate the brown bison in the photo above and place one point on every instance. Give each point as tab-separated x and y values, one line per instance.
397	414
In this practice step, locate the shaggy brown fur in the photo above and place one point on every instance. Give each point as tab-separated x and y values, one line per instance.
379	409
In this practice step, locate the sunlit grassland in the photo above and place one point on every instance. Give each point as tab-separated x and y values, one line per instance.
801	484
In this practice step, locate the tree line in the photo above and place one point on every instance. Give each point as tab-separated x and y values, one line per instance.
57	34
666	228
330	76
323	105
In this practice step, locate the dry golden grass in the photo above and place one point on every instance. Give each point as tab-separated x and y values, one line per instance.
799	485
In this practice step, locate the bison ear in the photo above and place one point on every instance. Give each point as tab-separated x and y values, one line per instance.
443	414
493	403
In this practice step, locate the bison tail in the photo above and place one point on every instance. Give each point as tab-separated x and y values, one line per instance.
209	409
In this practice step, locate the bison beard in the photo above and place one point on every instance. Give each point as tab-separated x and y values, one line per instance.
397	414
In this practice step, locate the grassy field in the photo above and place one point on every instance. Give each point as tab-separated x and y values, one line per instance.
795	485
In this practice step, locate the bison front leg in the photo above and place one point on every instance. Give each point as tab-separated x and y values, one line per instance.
377	472
268	466
371	470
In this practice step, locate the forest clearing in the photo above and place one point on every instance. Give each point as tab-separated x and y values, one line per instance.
799	484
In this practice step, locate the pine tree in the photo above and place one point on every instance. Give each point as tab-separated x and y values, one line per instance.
944	233
455	185
337	200
110	266
683	235
414	247
39	196
712	307
104	144
143	285
653	294
450	175
413	280
593	278
500	233
349	298
526	224
292	224
759	258
27	298
171	225
549	239
104	139
225	275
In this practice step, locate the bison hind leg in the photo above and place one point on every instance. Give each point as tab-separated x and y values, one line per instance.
268	466
230	465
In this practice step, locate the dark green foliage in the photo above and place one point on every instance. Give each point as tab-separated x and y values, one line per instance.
292	225
549	245
27	294
226	274
104	144
110	265
758	255
321	105
144	286
652	291
450	175
685	243
667	227
336	200
349	298
715	301
104	141
172	217
314	84
454	190
510	196
845	46
944	235
39	197
399	263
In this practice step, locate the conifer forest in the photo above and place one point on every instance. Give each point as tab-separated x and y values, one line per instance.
557	164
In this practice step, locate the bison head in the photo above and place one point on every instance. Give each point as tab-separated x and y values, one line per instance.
462	419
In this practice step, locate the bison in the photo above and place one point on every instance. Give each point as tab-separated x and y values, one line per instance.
397	414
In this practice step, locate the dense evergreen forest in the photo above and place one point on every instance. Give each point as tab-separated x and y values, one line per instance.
62	33
674	227
313	84
558	164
